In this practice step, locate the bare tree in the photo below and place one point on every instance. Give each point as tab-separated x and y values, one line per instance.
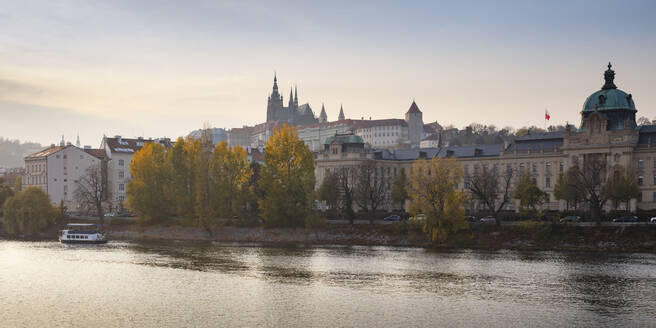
371	189
492	188
345	185
91	191
590	180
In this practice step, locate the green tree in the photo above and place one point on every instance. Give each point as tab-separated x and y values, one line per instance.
256	192
529	195
231	173
433	191
287	179
18	184
147	190
623	186
5	192
564	190
28	212
400	189
329	190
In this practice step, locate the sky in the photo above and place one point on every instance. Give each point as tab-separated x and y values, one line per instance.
164	68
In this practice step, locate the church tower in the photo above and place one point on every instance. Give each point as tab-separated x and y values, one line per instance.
341	114
274	105
323	117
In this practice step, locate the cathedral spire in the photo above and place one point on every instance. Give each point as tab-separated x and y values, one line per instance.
323	117
291	98
296	95
341	113
77	142
275	82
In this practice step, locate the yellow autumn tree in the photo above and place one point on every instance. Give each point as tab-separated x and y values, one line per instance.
180	190
433	191
230	174
147	190
287	179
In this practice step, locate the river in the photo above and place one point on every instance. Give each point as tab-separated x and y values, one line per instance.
123	284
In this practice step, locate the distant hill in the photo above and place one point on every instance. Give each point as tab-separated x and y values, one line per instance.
12	152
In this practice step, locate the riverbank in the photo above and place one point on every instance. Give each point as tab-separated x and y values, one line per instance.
523	236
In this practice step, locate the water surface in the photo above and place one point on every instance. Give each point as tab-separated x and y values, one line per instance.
45	284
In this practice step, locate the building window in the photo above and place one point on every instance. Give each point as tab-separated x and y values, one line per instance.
640	164
535	168
547	182
547	167
121	187
121	198
121	174
121	162
562	167
521	167
640	179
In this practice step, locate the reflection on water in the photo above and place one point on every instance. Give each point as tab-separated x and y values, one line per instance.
182	284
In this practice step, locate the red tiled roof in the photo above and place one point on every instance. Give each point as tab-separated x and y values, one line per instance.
46	152
98	153
414	108
370	123
428	128
326	125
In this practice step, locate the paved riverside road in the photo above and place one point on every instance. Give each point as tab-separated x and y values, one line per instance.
506	223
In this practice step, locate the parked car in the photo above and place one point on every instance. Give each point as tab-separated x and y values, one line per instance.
472	219
631	218
418	217
393	217
110	215
653	220
488	219
571	218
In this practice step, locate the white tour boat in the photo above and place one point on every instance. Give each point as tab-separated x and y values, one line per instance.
82	233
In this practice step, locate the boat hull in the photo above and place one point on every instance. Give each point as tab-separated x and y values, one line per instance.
67	241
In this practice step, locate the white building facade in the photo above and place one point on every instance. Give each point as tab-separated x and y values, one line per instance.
57	169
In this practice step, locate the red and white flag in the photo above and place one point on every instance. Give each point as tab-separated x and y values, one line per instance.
546	115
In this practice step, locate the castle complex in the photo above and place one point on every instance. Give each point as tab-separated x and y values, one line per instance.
385	133
608	134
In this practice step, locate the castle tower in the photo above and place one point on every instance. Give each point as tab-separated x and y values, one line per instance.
341	114
323	117
415	124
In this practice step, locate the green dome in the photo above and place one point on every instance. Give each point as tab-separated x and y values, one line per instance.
345	139
610	99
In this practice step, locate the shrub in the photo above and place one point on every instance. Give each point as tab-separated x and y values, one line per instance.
28	212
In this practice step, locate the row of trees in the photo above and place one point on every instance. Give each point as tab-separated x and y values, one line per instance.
196	180
590	183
